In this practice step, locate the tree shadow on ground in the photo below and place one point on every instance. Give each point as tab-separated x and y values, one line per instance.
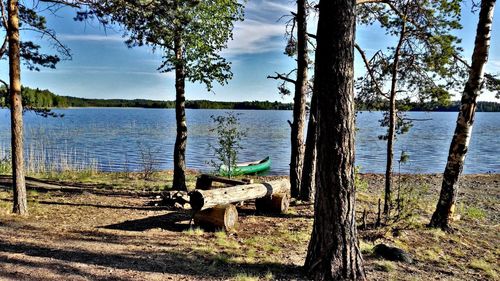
195	263
176	221
144	208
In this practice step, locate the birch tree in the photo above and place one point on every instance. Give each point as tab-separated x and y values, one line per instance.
463	131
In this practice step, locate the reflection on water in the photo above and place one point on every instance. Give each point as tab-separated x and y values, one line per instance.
116	138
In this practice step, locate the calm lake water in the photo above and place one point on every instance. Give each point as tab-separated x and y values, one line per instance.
117	139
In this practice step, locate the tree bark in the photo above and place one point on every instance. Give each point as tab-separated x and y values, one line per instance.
179	182
16	109
392	126
308	183
333	252
299	101
463	130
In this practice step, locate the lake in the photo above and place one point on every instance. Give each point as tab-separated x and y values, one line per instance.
123	139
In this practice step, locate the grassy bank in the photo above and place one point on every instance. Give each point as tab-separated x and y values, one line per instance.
90	236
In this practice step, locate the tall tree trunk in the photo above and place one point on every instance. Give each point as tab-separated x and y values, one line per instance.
307	184
392	126
460	141
179	182
16	109
299	105
333	252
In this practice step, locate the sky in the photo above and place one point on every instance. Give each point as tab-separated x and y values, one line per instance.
102	66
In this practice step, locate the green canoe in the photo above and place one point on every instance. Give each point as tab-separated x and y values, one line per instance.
248	168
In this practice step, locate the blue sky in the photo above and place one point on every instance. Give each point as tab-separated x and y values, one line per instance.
104	67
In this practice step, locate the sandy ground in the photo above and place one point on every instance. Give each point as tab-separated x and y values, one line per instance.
84	236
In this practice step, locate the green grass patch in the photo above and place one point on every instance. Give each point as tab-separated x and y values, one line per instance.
366	248
194	231
486	267
474	213
223	240
385	266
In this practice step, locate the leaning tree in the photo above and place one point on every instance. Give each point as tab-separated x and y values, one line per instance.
460	142
333	252
191	35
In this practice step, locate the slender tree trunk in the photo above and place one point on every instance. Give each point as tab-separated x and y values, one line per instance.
392	126
16	109
179	182
333	252
307	184
460	141
299	105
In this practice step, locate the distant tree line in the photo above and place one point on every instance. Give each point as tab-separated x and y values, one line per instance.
407	105
46	99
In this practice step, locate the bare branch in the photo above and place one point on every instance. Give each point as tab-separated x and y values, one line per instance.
370	71
5	84
279	76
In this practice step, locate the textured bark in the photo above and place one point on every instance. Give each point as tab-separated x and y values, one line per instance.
333	252
16	109
179	182
460	141
299	101
392	126
307	184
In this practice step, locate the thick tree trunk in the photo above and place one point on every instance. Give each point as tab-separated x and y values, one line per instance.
392	126
299	105
460	141
333	252
307	184
16	109
179	182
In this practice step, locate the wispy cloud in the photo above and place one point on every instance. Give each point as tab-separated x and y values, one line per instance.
254	37
89	37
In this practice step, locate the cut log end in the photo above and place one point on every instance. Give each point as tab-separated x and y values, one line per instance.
220	217
277	203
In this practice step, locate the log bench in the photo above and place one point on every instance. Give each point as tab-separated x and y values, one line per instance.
214	208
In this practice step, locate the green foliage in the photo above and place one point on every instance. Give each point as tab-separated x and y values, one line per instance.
200	29
229	136
404	157
359	183
424	58
5	165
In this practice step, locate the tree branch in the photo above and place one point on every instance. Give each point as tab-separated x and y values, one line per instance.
281	77
370	71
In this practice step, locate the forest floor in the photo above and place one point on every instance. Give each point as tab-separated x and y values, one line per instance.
79	234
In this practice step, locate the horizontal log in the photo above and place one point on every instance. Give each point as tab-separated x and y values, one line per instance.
204	199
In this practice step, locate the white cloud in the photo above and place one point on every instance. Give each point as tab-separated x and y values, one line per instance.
89	37
254	37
